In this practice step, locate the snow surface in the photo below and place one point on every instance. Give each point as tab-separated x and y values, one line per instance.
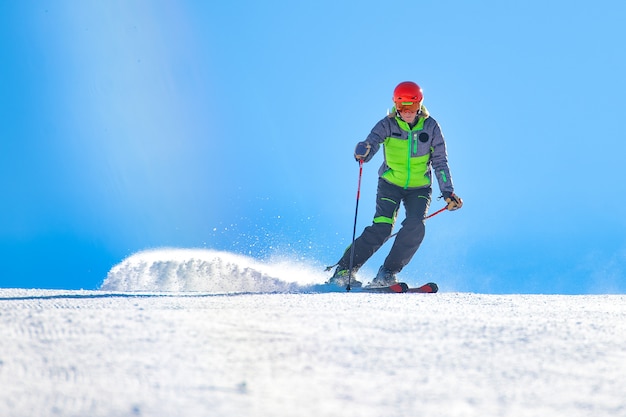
147	345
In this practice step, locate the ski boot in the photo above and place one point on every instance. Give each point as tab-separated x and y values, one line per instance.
341	276
384	278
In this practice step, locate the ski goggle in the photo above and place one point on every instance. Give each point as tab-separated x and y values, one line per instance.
411	106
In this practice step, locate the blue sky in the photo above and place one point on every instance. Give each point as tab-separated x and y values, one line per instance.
133	125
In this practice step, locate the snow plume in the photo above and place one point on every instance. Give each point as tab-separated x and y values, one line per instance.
206	270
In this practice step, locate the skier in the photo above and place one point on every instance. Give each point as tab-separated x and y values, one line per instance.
413	147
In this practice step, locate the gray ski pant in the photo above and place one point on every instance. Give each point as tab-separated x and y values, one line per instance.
410	235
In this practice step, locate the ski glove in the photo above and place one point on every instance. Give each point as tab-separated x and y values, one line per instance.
454	201
362	150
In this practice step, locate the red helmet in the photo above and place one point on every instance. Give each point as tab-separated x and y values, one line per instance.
409	94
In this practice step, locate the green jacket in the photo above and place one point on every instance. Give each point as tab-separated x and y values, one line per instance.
411	154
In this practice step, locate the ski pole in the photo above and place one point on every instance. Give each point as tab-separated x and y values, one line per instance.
356	213
425	218
435	213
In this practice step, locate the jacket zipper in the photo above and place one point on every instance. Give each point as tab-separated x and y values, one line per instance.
412	144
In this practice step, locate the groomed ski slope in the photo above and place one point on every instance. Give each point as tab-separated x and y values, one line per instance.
287	352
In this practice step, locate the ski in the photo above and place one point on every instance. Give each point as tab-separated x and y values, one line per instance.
429	288
401	287
397	288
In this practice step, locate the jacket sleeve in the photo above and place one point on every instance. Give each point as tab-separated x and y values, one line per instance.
377	136
439	161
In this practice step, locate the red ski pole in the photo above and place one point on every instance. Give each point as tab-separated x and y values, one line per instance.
435	213
425	218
